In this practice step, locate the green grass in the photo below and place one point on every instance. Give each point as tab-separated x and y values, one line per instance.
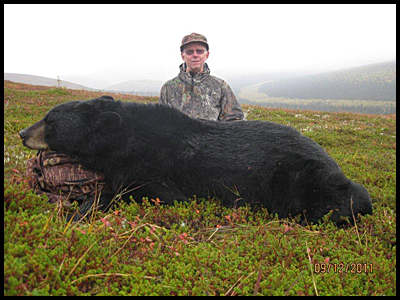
201	248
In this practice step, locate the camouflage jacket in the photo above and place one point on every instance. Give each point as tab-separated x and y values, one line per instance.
201	96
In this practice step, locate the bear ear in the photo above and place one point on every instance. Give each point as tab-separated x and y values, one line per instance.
108	121
106	97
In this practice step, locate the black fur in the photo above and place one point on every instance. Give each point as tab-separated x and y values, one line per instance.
173	157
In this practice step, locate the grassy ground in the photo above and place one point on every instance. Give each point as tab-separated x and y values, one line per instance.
201	248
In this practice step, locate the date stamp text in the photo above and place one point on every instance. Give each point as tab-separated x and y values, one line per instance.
344	268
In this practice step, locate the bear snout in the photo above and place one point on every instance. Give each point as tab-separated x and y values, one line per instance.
22	134
33	136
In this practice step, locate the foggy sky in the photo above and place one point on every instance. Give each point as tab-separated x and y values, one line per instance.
50	40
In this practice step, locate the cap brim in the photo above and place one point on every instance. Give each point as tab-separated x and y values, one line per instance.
183	45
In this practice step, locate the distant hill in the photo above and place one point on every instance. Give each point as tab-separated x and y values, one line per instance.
239	79
123	73
375	82
138	87
39	80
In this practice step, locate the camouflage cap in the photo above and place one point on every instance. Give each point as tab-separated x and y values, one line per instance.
194	37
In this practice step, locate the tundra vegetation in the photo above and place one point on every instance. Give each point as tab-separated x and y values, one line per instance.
201	248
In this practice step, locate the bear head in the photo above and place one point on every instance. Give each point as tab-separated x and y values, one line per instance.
69	126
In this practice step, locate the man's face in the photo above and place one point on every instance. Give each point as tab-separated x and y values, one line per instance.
193	59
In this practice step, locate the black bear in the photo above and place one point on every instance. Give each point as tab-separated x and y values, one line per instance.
159	152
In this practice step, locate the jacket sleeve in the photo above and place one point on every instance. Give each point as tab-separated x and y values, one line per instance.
230	107
163	95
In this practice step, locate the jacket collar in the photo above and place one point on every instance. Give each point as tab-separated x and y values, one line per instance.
191	78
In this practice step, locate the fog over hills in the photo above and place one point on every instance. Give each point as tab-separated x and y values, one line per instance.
39	80
138	87
306	84
375	82
123	73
